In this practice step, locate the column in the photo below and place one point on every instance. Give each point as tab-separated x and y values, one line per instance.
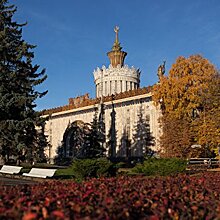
108	87
105	88
123	86
113	87
98	90
132	85
118	86
128	86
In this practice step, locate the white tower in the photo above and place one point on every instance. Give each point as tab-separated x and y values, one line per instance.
117	77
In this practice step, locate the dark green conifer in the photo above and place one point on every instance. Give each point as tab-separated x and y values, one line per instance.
142	137
18	79
112	135
93	145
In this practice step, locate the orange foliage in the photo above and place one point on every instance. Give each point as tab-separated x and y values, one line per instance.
183	96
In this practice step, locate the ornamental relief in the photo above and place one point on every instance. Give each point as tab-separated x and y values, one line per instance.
118	71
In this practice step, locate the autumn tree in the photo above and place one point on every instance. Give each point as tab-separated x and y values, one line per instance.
209	120
18	81
185	98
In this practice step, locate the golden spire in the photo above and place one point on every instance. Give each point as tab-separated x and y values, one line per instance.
116	45
116	56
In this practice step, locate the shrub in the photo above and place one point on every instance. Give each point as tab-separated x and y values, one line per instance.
121	165
161	167
66	173
63	161
84	168
179	197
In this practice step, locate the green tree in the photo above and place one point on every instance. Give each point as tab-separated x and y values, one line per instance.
143	139
93	147
42	142
18	79
101	125
185	97
112	135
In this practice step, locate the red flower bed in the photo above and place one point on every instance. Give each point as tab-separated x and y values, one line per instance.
180	197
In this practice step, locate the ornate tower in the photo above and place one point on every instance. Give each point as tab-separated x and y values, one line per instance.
117	77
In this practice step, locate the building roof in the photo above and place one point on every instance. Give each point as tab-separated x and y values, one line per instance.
82	101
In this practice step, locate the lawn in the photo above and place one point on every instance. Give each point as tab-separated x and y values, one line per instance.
179	197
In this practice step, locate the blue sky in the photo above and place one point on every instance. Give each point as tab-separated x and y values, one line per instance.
73	37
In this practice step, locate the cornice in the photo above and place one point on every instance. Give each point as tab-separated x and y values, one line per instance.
90	103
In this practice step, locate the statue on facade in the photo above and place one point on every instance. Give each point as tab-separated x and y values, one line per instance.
161	70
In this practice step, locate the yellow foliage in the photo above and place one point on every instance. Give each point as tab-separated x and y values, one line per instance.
186	94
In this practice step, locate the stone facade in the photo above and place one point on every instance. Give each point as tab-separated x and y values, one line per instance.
126	109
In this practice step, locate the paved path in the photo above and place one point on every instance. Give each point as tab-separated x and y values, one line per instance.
15	181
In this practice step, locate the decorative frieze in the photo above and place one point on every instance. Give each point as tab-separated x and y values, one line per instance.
114	80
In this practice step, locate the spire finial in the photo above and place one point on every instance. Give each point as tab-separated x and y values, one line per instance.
116	30
116	45
116	55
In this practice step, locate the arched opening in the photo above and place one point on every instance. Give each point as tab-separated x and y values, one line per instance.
74	138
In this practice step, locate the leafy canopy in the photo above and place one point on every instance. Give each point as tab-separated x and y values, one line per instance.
187	97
